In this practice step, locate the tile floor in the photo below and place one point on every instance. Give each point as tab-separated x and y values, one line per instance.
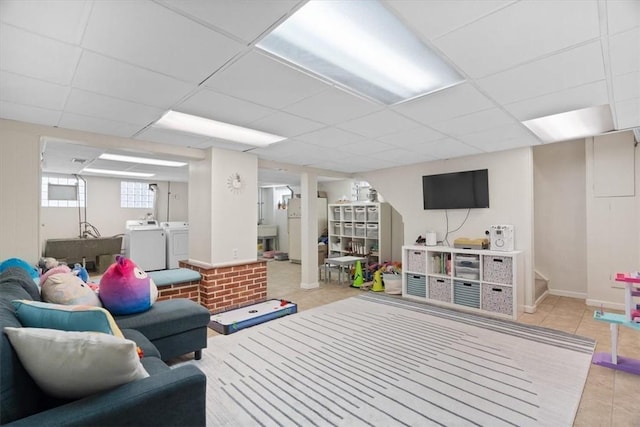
610	398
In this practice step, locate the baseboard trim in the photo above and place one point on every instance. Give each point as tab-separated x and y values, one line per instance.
605	304
569	294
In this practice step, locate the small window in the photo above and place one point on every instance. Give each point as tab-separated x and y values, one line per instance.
135	195
62	192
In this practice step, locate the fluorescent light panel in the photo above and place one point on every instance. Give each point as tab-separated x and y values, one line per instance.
141	160
175	120
362	46
118	173
572	124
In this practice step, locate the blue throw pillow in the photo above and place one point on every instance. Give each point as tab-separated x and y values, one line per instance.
17	262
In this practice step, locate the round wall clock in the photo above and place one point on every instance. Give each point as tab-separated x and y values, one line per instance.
235	183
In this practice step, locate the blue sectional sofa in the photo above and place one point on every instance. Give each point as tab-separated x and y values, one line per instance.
166	397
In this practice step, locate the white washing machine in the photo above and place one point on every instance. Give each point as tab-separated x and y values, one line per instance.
177	233
145	244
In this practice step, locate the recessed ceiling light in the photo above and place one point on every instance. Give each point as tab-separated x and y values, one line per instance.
362	46
572	124
118	173
199	125
141	160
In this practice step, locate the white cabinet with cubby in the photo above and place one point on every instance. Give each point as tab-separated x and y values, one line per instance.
477	280
361	229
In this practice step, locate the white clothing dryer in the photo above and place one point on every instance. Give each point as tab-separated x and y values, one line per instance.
145	244
177	233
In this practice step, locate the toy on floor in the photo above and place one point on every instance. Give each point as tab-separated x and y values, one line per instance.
127	289
59	285
47	263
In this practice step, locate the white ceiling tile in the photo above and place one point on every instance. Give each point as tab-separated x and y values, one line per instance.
624	51
224	108
280	150
628	113
398	156
168	137
622	15
437	17
245	19
330	137
412	137
28	113
445	104
63	20
519	33
332	106
474	122
378	124
364	147
626	86
152	36
35	56
96	125
24	90
446	148
501	138
107	76
100	106
264	80
568	69
285	124
227	145
575	98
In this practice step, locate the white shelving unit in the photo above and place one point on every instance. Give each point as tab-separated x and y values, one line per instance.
475	280
360	229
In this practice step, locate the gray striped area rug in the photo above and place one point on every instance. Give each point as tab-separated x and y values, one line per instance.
375	360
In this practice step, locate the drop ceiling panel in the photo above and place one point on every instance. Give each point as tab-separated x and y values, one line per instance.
519	33
332	106
96	125
100	106
378	124
445	104
227	145
623	15
244	19
442	16
285	124
107	76
168	137
501	138
364	147
412	137
35	56
624	51
275	85
564	70
447	148
590	94
224	108
399	156
61	20
153	37
24	90
628	113
27	113
626	86
330	137
474	122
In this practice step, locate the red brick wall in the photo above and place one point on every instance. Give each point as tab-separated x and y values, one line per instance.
230	287
190	290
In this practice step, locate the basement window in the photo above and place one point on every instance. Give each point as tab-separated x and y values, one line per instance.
57	192
135	195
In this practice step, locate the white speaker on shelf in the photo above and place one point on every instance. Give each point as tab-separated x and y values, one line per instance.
502	238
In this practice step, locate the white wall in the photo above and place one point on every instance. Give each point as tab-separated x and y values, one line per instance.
560	216
511	201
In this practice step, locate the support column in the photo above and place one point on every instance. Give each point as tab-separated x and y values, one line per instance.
309	244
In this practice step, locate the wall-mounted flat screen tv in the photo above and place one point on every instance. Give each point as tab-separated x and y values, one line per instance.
457	190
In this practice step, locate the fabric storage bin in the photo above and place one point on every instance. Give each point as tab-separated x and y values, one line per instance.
337	229
466	293
497	299
336	214
348	214
372	214
359	230
440	289
372	231
416	261
392	283
498	269
416	285
348	229
360	214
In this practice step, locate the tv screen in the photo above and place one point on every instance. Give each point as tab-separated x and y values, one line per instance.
457	190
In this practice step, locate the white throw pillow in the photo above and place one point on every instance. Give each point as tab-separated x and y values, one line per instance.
71	365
